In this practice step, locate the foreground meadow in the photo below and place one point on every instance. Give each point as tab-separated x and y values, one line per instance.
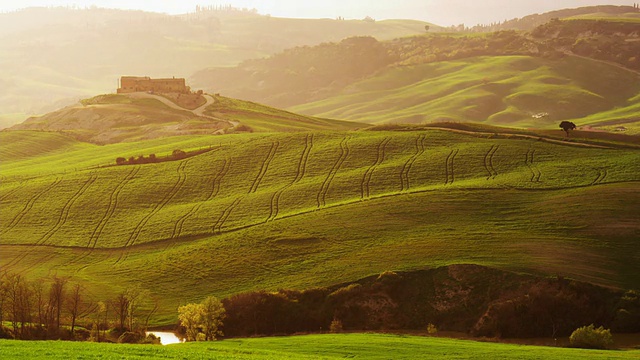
364	346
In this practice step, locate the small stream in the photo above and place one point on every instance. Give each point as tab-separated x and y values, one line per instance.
166	338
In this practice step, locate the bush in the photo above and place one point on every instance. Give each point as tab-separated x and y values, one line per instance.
588	337
336	326
129	337
432	329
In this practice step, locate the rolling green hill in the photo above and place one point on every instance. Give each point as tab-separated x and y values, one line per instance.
369	346
507	90
267	211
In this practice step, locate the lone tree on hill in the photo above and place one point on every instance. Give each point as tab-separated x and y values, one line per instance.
566	126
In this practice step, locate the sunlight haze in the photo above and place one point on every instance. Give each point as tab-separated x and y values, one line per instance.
439	12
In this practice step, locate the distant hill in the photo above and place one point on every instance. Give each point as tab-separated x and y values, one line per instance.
53	57
114	118
532	21
563	70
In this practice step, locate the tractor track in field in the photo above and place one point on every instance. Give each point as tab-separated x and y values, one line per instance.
406	168
324	189
10	192
274	207
111	208
529	160
29	205
488	162
135	234
602	175
264	167
217	227
449	167
365	189
215	190
64	213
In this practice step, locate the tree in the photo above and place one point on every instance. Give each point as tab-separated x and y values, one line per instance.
202	319
426	28
566	126
120	306
190	316
56	300
212	316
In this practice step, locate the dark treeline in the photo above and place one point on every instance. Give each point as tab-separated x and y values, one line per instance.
467	298
58	308
152	158
471	299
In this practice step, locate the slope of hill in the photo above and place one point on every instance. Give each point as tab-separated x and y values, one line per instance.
269	211
519	91
565	70
74	53
593	12
114	118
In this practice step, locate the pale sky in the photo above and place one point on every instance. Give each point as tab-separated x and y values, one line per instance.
441	12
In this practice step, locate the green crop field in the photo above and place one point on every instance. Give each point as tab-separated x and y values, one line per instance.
267	211
500	90
367	346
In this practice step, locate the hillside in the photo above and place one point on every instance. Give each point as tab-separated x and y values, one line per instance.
530	22
107	119
579	70
75	53
271	211
521	91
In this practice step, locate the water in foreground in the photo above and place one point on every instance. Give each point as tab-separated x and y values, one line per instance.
364	346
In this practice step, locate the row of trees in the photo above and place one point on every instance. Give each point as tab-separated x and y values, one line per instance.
55	307
152	158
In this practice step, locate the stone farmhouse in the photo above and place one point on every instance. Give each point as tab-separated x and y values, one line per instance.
130	84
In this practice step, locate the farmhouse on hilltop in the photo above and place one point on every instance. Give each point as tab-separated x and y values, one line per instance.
130	84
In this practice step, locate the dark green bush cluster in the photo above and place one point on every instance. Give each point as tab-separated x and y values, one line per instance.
590	337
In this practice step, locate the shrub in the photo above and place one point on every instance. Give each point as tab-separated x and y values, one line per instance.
590	337
129	337
432	329
336	326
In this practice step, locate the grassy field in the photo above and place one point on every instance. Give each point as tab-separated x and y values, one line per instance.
504	91
261	118
267	211
367	346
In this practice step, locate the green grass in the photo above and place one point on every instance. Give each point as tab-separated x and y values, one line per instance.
504	91
366	346
261	118
267	211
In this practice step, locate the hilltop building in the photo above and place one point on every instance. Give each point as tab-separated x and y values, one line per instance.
130	84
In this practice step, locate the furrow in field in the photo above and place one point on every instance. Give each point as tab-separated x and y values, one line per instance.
135	234
217	227
274	207
29	205
406	168
215	189
493	172
264	167
64	213
365	188
11	192
113	203
324	189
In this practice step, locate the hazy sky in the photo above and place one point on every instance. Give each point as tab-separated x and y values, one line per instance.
441	12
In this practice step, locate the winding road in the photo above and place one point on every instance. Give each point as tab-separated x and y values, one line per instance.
197	112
